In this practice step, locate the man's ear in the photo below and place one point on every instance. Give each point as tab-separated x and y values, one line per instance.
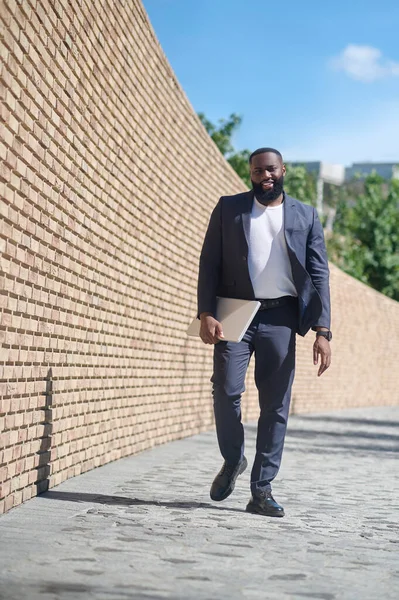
284	170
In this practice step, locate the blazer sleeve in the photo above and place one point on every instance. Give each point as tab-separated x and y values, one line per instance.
317	267
210	264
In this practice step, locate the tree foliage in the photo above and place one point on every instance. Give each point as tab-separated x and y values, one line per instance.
365	239
240	163
223	132
301	184
221	135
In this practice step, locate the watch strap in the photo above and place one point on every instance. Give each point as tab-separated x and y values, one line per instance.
325	334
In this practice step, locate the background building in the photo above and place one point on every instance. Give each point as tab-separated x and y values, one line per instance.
337	174
324	173
385	170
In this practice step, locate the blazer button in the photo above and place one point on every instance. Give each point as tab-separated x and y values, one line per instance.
244	258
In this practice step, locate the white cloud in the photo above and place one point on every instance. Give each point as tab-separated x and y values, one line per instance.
365	63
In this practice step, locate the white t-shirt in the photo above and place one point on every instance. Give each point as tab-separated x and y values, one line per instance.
268	261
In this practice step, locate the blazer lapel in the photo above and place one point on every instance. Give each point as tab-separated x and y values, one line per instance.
245	279
289	217
246	215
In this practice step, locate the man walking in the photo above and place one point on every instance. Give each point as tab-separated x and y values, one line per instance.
262	245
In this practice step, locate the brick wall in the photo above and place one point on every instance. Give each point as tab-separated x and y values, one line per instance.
108	180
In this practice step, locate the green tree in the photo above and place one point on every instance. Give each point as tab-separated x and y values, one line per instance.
223	132
240	163
301	184
221	135
298	182
365	239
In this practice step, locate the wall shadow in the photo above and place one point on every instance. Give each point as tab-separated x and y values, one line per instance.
357	435
44	452
341	448
354	421
313	438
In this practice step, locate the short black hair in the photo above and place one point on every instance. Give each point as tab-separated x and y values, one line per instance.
263	151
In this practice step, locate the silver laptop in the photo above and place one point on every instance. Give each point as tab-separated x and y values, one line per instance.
234	315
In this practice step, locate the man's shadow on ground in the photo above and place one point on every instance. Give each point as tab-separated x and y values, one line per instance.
123	501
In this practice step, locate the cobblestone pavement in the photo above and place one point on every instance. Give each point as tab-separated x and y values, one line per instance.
144	527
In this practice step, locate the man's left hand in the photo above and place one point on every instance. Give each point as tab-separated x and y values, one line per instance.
322	348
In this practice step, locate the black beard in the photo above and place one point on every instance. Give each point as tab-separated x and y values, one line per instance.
267	196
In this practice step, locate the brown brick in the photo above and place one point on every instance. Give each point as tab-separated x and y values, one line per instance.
5	488
9	502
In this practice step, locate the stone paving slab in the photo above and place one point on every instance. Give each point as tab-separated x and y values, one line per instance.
144	527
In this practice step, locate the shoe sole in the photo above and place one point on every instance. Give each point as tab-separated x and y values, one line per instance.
254	510
230	490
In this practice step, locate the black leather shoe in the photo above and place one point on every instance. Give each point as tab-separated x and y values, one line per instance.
225	480
263	503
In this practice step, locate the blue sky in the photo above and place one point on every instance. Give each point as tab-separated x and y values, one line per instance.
317	80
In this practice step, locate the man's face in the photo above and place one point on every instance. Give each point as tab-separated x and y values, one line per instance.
267	175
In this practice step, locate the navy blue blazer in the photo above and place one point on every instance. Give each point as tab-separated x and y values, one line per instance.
223	269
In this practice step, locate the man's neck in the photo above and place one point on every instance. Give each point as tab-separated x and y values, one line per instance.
275	202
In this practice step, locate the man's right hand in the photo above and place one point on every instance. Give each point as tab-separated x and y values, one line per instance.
211	331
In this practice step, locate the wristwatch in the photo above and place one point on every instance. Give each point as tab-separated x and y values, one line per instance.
325	334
